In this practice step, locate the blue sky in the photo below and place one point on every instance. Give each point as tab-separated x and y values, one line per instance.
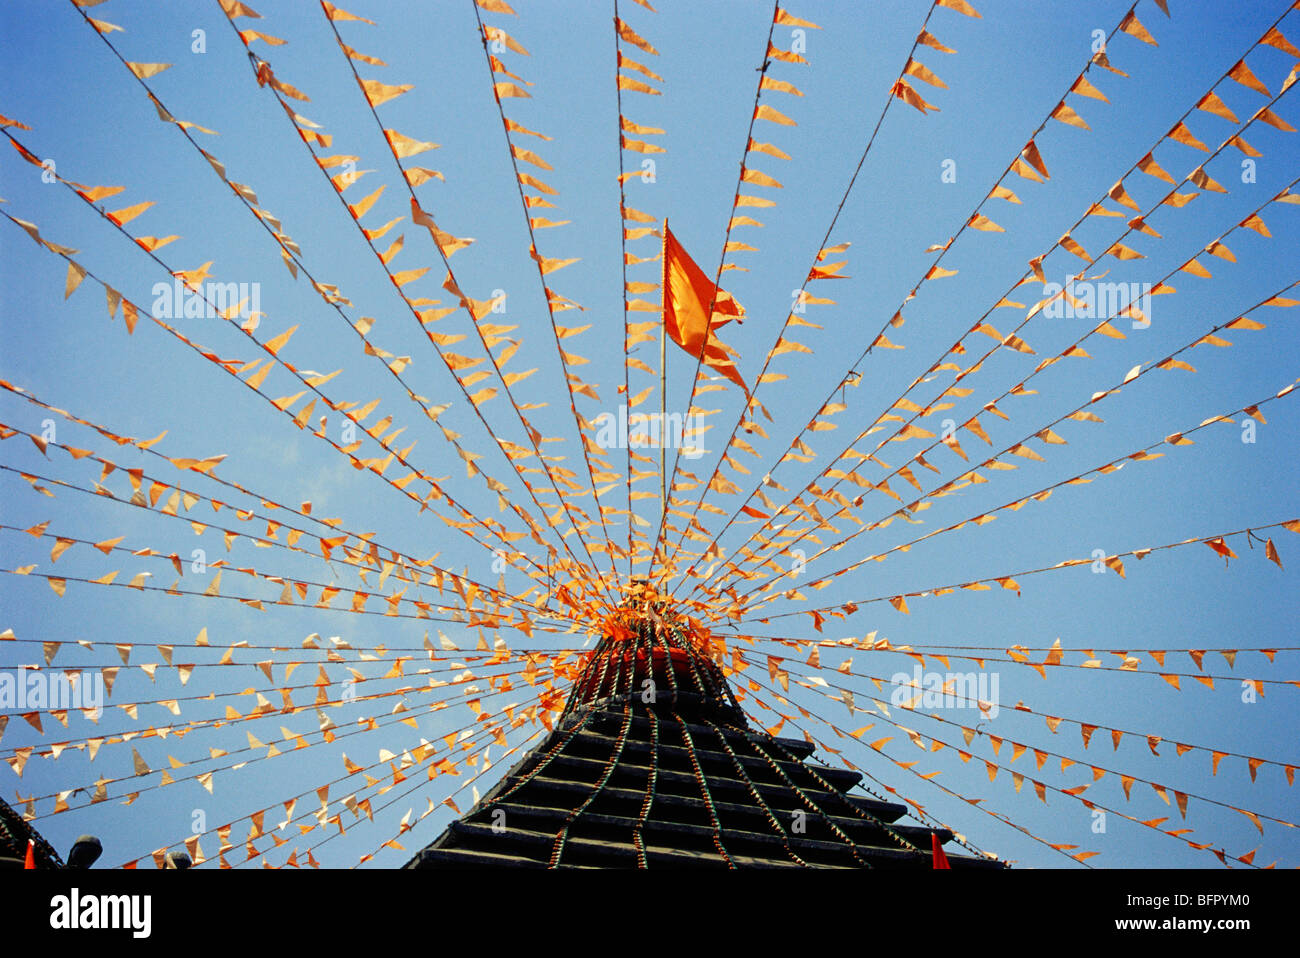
1011	68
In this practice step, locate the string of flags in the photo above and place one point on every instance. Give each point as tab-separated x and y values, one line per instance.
564	586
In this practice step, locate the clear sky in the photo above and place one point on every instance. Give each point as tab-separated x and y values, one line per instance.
921	180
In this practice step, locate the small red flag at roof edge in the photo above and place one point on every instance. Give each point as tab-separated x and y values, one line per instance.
30	860
940	859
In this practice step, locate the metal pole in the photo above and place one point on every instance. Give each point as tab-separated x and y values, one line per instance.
663	385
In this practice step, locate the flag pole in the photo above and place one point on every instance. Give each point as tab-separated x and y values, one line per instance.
663	382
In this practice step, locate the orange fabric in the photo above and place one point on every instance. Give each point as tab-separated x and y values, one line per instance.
688	295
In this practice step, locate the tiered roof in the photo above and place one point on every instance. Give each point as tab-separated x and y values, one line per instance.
654	764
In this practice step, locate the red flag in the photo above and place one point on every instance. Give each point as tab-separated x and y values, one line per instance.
940	859
30	860
688	294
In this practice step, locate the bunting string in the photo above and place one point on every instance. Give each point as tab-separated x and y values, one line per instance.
1117	249
976	220
1080	413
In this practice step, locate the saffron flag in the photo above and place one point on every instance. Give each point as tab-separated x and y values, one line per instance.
688	295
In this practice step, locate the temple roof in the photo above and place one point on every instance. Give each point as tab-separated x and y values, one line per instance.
654	764
14	835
